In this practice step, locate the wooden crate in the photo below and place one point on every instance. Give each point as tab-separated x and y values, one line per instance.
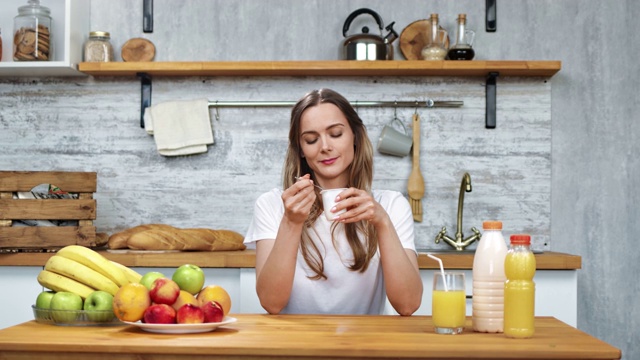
39	238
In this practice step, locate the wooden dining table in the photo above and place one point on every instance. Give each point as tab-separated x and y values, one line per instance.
261	336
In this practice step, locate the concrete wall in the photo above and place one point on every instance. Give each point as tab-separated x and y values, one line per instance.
580	126
93	125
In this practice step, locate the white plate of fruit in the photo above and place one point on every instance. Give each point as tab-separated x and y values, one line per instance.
182	328
177	305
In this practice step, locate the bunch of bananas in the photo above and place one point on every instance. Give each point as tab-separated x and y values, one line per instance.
81	270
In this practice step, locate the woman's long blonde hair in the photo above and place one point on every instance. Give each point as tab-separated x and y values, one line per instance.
360	177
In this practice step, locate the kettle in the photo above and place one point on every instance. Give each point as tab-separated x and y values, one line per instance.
367	46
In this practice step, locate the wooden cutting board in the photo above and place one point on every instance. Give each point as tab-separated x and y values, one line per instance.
138	49
414	37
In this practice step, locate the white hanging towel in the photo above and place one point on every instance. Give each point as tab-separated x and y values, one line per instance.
180	127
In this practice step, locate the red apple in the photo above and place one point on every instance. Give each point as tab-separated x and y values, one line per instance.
164	291
190	314
159	314
215	293
149	277
212	312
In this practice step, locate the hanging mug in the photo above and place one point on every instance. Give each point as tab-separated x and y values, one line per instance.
394	142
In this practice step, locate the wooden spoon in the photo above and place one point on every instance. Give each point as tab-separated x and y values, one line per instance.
415	185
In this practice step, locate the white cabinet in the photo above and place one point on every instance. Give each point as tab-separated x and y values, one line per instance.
556	291
70	28
20	288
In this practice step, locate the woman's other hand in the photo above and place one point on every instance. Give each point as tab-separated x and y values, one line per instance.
360	205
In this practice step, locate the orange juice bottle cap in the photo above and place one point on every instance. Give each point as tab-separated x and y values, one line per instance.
520	239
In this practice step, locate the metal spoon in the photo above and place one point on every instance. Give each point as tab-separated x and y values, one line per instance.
314	184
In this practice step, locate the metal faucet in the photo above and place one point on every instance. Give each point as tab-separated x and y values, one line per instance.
459	244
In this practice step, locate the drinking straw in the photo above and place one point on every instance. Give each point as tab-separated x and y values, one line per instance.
441	270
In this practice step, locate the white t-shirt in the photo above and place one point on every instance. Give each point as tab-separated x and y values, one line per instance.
344	291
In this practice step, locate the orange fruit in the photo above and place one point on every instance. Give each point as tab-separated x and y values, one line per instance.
184	298
217	293
130	302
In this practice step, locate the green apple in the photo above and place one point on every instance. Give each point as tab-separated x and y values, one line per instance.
148	278
98	306
189	278
67	304
43	301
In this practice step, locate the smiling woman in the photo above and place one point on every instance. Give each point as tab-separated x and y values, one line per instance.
352	263
327	143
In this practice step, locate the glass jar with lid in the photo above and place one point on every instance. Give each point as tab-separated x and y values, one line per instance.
32	38
436	48
463	49
98	47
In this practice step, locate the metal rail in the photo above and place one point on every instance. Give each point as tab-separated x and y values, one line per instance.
427	103
145	101
395	104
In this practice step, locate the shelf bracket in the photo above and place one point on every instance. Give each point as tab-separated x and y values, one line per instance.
491	15
145	95
147	16
490	111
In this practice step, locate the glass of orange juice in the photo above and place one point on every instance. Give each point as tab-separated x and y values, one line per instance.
448	305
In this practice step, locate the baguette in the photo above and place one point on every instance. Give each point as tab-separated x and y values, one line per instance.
200	239
119	239
101	239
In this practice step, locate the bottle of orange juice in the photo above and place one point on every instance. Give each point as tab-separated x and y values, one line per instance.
519	289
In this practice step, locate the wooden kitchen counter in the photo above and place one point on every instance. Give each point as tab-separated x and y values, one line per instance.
256	336
246	259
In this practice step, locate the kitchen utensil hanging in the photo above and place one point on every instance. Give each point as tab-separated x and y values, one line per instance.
415	184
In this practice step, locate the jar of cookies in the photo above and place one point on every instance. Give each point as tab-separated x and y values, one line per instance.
32	33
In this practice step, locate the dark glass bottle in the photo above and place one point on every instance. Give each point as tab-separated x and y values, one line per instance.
462	50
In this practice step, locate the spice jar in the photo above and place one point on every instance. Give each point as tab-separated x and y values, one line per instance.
32	33
437	43
98	47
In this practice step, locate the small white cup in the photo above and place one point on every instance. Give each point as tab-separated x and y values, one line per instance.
394	142
329	201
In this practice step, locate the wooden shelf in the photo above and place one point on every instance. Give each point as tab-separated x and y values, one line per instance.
325	68
246	259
